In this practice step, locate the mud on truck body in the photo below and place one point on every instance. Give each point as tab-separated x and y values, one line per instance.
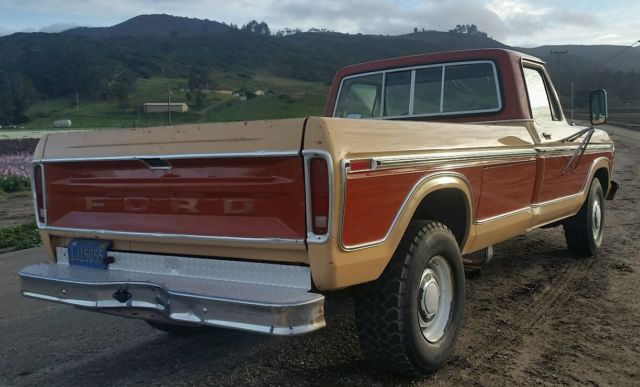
419	162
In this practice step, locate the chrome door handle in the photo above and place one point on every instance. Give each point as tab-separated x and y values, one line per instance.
546	135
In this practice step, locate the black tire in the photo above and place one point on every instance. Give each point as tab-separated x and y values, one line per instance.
585	230
177	329
389	313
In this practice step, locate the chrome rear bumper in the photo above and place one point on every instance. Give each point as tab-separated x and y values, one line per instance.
214	294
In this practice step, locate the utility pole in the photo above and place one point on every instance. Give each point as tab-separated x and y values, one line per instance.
572	121
77	102
169	103
557	54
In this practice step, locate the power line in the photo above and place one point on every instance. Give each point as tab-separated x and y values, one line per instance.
621	12
586	12
619	53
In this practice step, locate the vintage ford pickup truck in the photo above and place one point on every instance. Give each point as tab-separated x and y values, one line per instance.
249	225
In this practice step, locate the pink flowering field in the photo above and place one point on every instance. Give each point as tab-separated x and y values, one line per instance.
15	157
15	164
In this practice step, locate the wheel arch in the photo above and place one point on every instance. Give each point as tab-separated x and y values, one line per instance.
603	175
446	198
600	169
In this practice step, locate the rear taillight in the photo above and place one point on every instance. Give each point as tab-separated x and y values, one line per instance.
319	189
38	189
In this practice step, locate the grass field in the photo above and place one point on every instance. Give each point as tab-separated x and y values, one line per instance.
617	116
286	98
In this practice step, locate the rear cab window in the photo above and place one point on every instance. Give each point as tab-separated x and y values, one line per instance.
421	91
360	97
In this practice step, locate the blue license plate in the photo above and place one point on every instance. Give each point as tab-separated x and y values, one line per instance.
88	252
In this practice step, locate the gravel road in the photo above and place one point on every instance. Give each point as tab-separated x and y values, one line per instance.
536	315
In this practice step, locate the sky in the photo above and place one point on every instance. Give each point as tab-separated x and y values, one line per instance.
524	23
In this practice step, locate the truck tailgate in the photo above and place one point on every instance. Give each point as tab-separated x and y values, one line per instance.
235	180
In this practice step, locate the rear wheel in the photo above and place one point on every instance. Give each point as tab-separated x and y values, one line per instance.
409	319
584	231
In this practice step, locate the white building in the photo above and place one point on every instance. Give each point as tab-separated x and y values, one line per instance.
62	124
163	107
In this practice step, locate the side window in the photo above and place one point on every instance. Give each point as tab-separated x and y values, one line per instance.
360	97
397	93
469	87
538	96
426	99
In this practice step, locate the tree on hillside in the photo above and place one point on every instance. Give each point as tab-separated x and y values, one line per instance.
257	28
110	81
122	96
288	32
198	79
468	29
198	82
314	30
114	81
17	94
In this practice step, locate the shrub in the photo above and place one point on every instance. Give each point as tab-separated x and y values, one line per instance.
13	183
19	237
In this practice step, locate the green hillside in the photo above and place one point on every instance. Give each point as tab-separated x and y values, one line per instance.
286	98
116	69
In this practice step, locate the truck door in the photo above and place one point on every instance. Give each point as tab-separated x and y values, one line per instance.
556	180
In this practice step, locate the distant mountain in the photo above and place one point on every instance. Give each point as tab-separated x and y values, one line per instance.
85	59
594	57
156	26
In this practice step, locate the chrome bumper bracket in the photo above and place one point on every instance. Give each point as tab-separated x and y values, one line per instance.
269	309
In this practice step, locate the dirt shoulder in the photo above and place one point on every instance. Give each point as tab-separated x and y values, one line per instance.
540	316
16	208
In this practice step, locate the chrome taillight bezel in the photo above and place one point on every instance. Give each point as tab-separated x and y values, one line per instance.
308	156
40	209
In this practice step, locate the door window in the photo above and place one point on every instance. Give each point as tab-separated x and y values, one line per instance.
538	96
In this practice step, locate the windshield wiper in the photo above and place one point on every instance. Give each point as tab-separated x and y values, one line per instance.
577	134
577	155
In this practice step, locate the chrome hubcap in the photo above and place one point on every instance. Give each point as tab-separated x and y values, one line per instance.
434	298
596	219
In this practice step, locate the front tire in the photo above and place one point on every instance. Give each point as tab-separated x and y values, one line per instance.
585	230
409	319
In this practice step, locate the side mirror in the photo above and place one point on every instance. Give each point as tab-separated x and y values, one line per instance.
598	112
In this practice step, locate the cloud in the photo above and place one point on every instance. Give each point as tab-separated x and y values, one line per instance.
384	17
516	22
52	28
5	31
58	27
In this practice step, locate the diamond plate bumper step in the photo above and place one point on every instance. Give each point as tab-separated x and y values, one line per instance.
204	300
